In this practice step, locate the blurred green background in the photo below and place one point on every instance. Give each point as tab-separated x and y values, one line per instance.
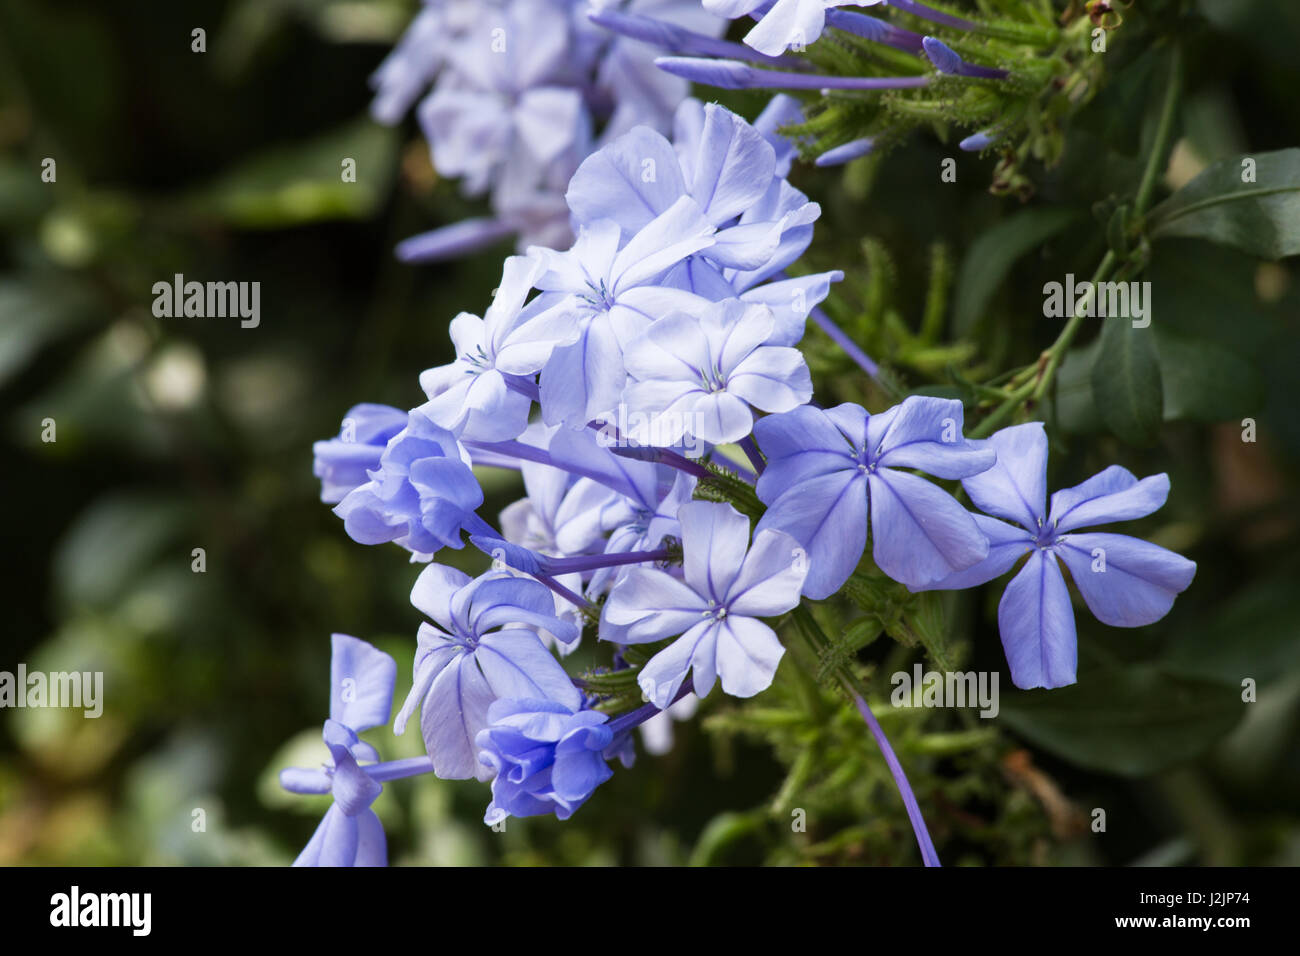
176	434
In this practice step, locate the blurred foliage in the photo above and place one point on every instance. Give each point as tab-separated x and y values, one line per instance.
177	434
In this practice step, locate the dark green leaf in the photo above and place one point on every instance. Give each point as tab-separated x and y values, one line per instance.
1075	411
1261	217
1204	381
1132	719
993	254
1126	382
303	183
1251	633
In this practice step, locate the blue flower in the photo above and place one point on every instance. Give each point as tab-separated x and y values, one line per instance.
547	757
361	696
1126	582
697	376
727	587
506	97
610	293
521	88
732	171
785	24
343	463
486	393
626	75
482	650
421	496
824	467
422	51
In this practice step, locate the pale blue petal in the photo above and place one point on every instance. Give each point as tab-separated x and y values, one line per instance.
662	676
1037	625
775	379
715	537
454	711
827	515
433	591
1015	487
630	181
654	603
747	653
361	683
1125	581
1007	544
517	664
333	844
372	847
919	534
720	417
1110	495
790	301
788	23
733	166
772	577
927	434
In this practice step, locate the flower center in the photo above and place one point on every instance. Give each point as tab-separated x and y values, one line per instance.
1046	536
599	296
477	361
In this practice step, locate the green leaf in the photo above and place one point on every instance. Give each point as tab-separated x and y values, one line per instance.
993	254
1071	394
113	542
1126	382
1205	382
304	183
1195	284
1260	217
1249	633
1129	719
36	313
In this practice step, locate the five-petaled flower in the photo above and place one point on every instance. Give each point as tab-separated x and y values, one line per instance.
826	466
1125	581
726	586
361	696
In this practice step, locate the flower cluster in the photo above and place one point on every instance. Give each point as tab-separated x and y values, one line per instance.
519	92
626	379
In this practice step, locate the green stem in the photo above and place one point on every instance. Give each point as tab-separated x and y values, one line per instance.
1050	361
1158	159
818	641
1057	350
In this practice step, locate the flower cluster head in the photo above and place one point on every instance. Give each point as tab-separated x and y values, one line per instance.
519	93
624	376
